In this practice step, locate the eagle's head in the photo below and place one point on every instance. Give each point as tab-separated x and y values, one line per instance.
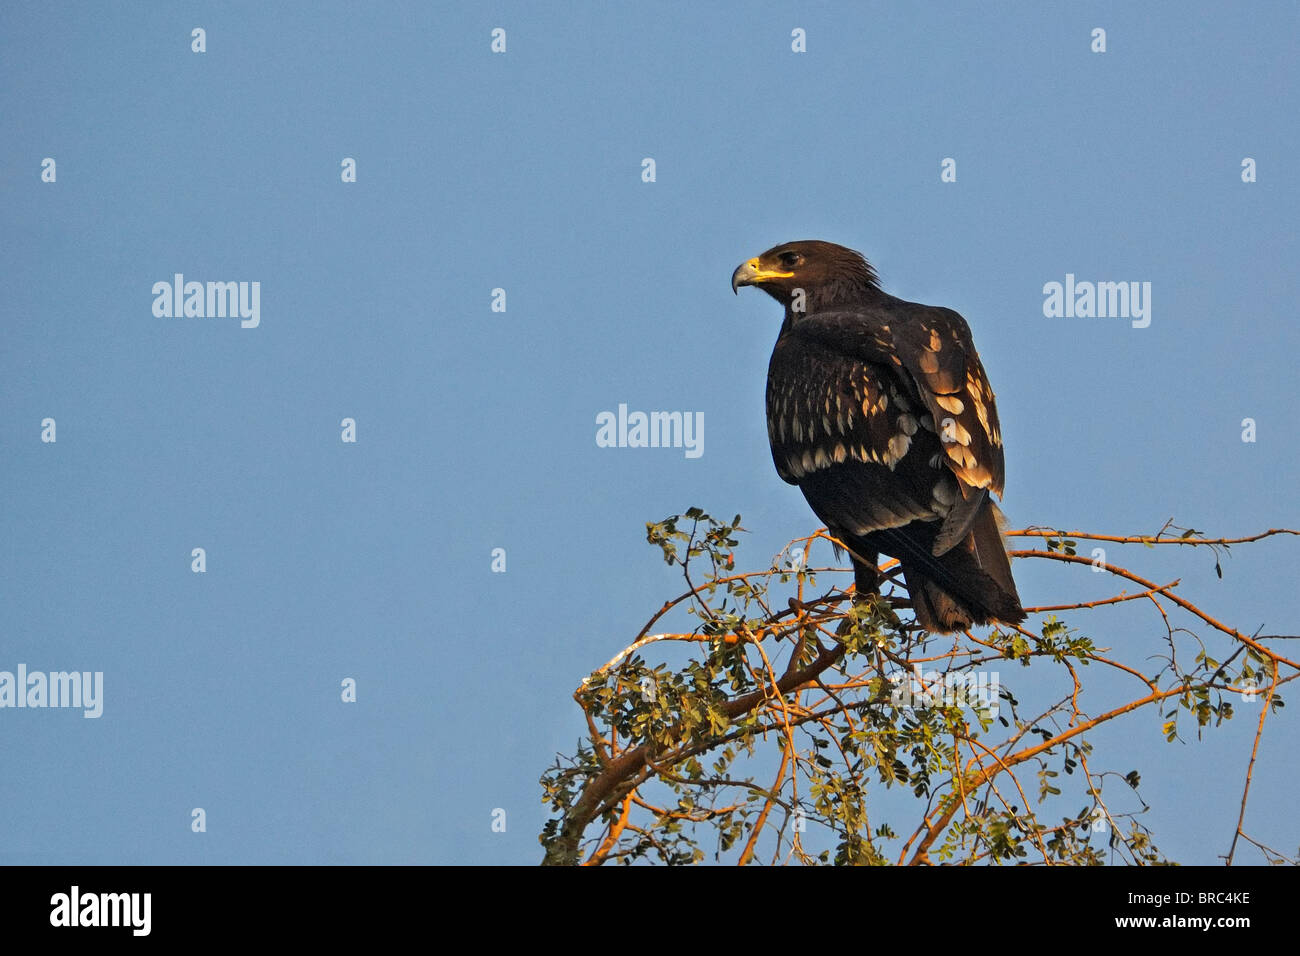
823	270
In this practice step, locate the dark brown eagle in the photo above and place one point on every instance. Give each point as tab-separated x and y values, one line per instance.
880	411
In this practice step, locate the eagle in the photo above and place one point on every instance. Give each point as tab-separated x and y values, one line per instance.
880	411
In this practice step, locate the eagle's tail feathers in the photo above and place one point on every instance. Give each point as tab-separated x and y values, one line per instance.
970	584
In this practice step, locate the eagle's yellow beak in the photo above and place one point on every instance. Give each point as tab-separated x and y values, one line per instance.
751	273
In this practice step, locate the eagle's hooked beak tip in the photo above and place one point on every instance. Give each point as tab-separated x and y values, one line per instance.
744	275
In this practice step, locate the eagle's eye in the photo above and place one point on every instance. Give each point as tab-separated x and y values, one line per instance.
790	259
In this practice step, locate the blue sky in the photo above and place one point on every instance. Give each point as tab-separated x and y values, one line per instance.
476	429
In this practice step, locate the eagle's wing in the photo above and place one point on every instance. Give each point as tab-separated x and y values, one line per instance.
930	351
842	426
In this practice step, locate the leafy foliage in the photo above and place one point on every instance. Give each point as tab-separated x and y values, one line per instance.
824	728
